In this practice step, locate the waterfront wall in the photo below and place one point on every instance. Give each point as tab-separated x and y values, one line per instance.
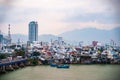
12	65
20	63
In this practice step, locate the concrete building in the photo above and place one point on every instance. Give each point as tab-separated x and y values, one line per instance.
1	38
1	41
6	39
33	31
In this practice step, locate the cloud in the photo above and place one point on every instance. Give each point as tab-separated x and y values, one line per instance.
99	17
81	25
57	16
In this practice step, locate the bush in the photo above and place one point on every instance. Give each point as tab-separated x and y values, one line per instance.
19	52
34	61
35	54
3	56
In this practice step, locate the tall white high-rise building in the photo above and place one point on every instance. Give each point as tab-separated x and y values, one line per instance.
33	31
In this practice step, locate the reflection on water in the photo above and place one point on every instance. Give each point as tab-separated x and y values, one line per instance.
76	72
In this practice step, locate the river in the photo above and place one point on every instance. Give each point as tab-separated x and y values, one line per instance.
75	72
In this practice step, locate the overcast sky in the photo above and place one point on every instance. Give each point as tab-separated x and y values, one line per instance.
58	16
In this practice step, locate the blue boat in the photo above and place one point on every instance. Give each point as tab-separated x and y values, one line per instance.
63	66
53	65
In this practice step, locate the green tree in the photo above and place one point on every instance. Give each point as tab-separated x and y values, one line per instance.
3	56
20	52
35	53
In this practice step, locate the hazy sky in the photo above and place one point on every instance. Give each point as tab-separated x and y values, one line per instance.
58	16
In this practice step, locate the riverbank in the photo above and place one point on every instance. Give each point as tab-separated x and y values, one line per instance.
14	65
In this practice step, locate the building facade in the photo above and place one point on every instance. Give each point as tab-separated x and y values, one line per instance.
33	31
1	38
6	39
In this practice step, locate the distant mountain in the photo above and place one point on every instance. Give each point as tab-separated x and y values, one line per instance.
24	38
47	37
90	34
87	35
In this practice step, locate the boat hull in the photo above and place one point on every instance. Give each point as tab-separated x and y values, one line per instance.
63	66
53	65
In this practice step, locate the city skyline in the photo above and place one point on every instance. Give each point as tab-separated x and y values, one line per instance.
56	17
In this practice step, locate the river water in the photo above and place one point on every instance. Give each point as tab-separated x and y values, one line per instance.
75	72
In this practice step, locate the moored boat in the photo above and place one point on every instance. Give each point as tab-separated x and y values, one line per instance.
53	65
63	66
